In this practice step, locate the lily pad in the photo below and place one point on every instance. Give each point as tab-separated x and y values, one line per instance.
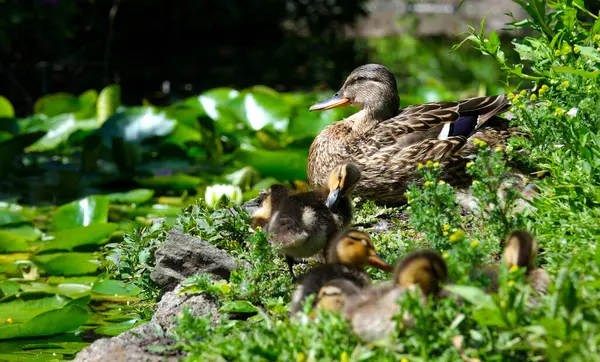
55	104
8	217
177	182
136	124
116	328
48	323
268	163
10	243
83	235
87	211
21	310
260	108
138	196
214	104
6	108
68	263
59	129
115	287
25	230
107	103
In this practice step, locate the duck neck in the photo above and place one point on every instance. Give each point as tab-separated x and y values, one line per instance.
370	116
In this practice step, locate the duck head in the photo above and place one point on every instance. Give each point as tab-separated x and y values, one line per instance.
268	200
425	268
371	87
354	247
342	180
520	250
332	295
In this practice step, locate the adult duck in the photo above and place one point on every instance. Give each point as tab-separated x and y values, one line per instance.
387	144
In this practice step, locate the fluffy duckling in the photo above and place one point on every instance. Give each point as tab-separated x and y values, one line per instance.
520	251
371	312
343	275
304	222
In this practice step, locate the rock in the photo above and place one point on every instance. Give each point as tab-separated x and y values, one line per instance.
132	345
183	255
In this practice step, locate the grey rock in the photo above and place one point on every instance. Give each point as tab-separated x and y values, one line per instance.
132	345
183	255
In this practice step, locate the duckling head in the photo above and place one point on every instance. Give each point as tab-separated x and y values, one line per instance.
520	250
354	247
332	295
371	87
342	180
426	268
268	200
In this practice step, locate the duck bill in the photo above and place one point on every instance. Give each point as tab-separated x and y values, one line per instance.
333	198
332	102
377	262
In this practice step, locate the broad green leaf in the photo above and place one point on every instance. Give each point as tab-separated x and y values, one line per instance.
117	328
21	310
8	287
493	42
78	236
6	108
309	124
25	230
213	102
67	263
178	182
590	53
112	287
259	108
46	324
59	103
238	306
138	196
269	163
8	217
489	317
60	128
84	212
579	72
71	290
473	295
107	103
136	125
11	243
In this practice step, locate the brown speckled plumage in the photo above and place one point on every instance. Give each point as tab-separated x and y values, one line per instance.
387	144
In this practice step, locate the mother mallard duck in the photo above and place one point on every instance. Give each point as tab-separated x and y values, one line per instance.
387	143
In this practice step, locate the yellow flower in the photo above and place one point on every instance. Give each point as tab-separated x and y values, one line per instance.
9	320
475	182
476	141
523	93
441	182
565	84
404	359
556	52
300	357
420	166
429	163
576	49
533	97
258	228
344	357
515	99
566	49
445	233
474	243
549	103
445	255
458	235
436	165
559	111
469	164
545	87
589	86
514	268
511	283
498	149
427	183
446	227
510	95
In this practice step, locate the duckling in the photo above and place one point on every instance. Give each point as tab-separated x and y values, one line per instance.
371	312
304	222
520	251
343	274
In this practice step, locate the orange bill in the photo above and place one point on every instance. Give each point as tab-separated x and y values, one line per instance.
331	102
377	262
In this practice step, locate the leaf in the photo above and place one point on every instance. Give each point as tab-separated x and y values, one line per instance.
25	230
579	72
59	103
11	243
107	103
8	287
238	306
138	196
67	263
309	124
8	217
6	108
259	108
493	42
473	295
213	102
49	323
84	212
60	128
136	125
117	328
177	182
489	317
21	310
269	163
112	287
83	235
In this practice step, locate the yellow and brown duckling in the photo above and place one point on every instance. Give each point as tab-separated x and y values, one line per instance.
303	223
387	143
520	251
343	275
371	312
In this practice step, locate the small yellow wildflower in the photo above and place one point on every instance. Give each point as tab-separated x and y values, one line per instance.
458	235
436	165
482	143
475	182
549	104
533	97
446	227
258	228
565	84
445	233
511	283
589	86
515	99
559	111
474	243
556	52
420	166
427	183
523	93
344	357
408	201
498	149
469	164
300	357
566	49
514	268
429	163
445	255
545	87
404	359
596	37
9	320
510	95
441	182
576	49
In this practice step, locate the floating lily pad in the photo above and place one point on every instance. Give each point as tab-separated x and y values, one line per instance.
138	196
48	323
178	182
21	310
55	104
107	103
87	211
260	108
25	230
83	235
116	328
60	128
6	108
112	287
213	102
68	263
136	124
268	163
10	243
